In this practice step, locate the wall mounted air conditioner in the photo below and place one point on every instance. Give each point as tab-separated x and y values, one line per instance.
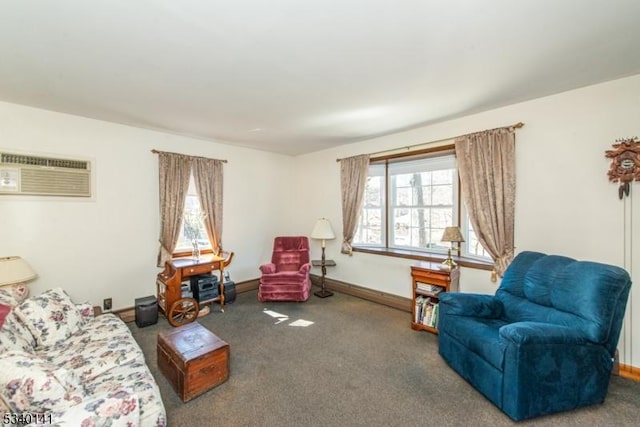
44	176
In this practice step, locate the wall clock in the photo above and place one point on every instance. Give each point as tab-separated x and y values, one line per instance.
625	164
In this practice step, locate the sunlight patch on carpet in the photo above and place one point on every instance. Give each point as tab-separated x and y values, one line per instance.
284	318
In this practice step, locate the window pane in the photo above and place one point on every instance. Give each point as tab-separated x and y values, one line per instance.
370	229
403	196
442	195
474	247
424	201
192	222
442	177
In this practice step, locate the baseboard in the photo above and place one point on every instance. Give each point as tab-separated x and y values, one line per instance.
126	314
629	372
379	297
129	314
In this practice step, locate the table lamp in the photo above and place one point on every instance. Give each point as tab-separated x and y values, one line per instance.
323	231
14	269
452	235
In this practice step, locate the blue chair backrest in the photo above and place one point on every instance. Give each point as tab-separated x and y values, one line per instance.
587	296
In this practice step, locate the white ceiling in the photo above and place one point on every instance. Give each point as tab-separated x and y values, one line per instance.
296	76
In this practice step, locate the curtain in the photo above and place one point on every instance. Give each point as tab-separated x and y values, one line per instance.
486	165
353	180
175	170
207	174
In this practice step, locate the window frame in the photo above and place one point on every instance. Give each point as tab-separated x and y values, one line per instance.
461	254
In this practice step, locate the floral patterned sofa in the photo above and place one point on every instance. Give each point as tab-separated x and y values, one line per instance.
61	365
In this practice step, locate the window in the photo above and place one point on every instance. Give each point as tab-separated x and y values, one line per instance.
423	198
192	223
472	247
371	228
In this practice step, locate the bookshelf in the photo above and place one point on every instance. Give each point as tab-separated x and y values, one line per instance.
428	281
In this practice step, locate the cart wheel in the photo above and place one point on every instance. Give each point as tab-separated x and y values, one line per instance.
183	311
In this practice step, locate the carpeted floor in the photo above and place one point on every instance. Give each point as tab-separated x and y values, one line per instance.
358	364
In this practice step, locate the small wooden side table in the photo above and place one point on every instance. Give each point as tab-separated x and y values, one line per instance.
428	280
324	263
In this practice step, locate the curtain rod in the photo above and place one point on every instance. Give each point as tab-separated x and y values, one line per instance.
154	151
408	147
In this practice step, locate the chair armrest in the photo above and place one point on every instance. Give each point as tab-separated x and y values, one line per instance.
305	268
523	333
471	305
268	268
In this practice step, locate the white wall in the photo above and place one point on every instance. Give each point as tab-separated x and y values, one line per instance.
564	202
106	247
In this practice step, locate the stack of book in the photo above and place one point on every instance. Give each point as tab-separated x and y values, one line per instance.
426	311
427	289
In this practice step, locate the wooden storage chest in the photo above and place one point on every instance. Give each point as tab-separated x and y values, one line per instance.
193	359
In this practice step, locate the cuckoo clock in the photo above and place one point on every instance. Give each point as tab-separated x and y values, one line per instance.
625	164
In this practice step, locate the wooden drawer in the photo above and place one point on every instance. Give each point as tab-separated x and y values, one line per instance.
431	277
195	270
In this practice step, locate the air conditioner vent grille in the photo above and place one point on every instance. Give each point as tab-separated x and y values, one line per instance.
20	159
44	176
55	182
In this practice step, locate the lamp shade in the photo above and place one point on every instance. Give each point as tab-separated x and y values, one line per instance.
14	269
452	234
322	230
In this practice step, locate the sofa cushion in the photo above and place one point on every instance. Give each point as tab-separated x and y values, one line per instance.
29	383
14	336
115	409
50	317
13	294
104	343
136	376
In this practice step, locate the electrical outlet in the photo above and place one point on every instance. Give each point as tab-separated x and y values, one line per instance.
106	304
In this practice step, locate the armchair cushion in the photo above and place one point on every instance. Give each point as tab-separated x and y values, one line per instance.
268	268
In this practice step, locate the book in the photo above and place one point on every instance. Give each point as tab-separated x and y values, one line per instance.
428	288
428	314
434	317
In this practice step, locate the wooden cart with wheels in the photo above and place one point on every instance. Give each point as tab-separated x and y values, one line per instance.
184	310
181	310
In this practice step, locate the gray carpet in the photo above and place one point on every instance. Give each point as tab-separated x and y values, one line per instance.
358	364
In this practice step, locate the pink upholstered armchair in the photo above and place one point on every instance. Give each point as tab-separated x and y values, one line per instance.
286	278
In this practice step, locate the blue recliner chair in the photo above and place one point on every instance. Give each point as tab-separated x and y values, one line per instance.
545	342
